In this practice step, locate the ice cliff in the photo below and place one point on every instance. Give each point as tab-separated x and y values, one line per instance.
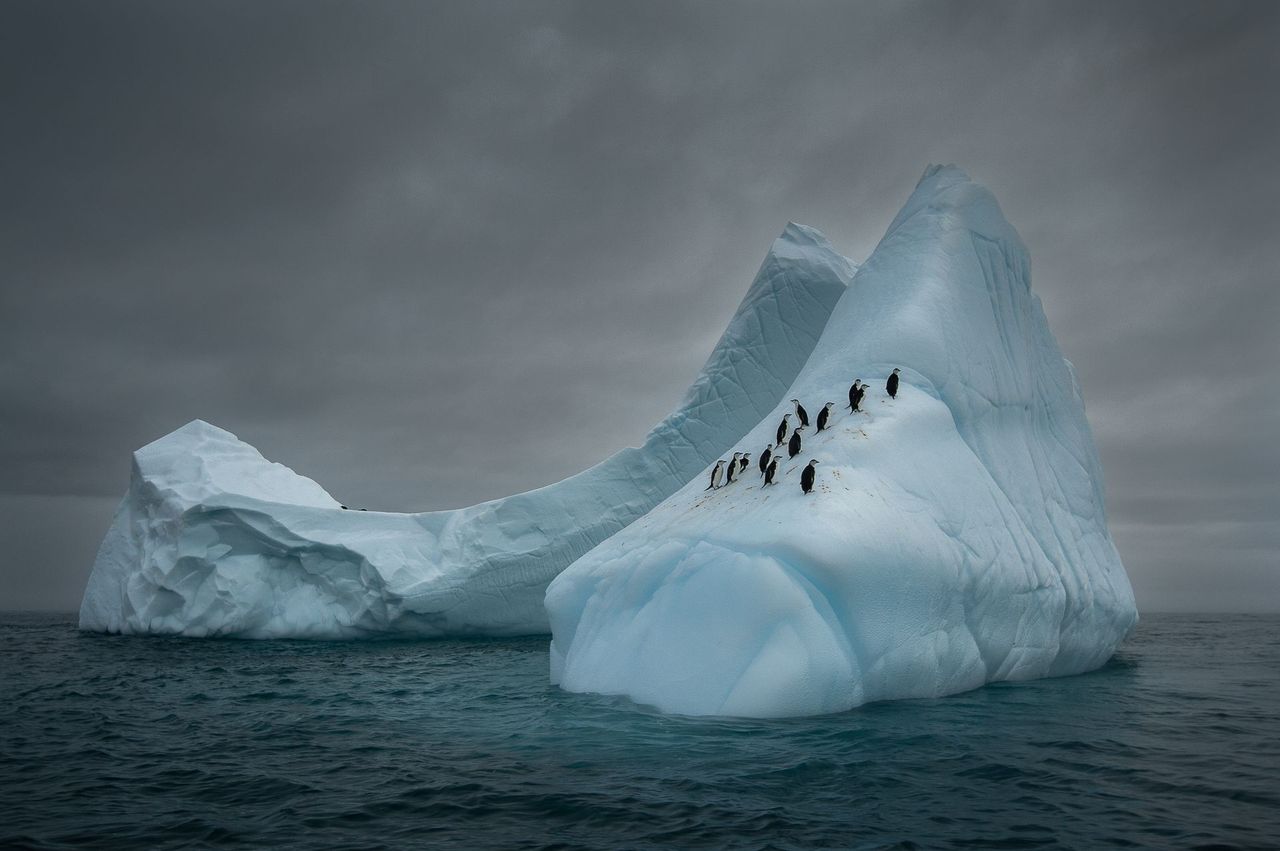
212	539
956	535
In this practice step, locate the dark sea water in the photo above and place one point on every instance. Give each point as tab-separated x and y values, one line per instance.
167	743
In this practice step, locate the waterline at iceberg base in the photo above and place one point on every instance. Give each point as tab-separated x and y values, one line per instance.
212	539
956	535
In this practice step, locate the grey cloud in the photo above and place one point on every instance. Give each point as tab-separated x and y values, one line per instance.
430	254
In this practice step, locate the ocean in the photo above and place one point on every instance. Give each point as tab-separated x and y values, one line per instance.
109	741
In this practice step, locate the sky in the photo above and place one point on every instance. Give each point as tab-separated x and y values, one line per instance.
432	254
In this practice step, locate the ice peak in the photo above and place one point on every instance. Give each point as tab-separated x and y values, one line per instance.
944	171
204	428
799	242
947	193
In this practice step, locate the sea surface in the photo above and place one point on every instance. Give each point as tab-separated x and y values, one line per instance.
180	743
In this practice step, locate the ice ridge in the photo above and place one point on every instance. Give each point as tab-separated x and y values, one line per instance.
212	539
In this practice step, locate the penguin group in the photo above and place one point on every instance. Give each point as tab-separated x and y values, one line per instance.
771	457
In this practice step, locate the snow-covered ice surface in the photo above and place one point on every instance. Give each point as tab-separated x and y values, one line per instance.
956	535
212	539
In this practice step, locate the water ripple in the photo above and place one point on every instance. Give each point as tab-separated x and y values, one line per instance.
166	743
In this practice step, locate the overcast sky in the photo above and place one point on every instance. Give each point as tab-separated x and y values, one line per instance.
433	254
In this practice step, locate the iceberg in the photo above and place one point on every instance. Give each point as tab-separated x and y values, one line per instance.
212	539
955	536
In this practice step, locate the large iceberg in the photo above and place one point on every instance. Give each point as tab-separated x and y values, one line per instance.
956	534
213	539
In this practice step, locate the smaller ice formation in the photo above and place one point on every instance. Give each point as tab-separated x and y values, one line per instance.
213	539
956	535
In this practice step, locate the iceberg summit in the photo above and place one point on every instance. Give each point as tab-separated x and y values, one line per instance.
212	539
955	535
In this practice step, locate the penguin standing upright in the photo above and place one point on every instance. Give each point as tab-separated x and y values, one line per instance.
806	478
793	445
892	384
801	413
853	395
824	415
764	459
733	468
782	429
770	471
744	462
715	475
857	402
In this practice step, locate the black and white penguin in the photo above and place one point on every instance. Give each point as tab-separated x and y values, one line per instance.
825	415
744	462
801	413
806	478
715	475
862	392
764	459
732	469
770	471
892	384
853	394
782	429
793	445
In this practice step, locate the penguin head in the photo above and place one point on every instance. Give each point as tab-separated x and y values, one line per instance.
786	417
896	370
829	405
814	461
737	455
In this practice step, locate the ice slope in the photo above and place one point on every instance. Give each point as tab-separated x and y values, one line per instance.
956	535
212	539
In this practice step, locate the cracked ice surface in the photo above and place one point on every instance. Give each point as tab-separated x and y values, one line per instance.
212	539
956	536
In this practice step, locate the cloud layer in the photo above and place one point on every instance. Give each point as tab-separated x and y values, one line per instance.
429	255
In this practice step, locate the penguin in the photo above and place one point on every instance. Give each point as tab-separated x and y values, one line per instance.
854	397
801	412
744	462
806	478
793	446
764	459
824	415
857	402
892	384
770	471
782	429
344	508
732	469
715	475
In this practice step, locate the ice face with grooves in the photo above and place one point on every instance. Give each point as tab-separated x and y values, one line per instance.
956	534
212	539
